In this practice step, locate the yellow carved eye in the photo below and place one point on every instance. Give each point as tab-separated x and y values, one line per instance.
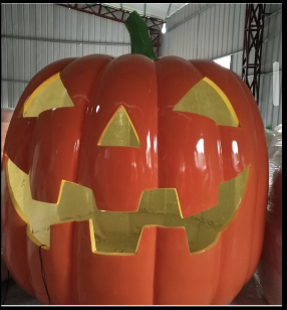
120	131
49	95
207	99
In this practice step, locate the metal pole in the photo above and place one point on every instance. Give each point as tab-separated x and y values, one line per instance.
253	38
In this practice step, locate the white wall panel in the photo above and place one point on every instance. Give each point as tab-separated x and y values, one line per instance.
212	31
272	46
215	29
35	35
11	92
271	52
271	115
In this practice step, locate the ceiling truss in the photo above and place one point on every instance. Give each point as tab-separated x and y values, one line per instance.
253	39
120	15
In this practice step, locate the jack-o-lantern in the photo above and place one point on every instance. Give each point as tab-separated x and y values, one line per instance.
143	180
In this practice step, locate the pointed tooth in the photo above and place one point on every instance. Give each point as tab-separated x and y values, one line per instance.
161	200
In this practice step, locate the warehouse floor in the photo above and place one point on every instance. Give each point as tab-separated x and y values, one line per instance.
16	295
249	295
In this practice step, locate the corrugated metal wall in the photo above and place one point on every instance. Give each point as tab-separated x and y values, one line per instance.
205	31
34	35
210	31
271	52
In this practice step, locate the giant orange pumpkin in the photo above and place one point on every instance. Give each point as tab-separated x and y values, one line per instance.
143	180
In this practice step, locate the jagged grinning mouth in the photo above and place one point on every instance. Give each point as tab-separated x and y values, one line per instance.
114	232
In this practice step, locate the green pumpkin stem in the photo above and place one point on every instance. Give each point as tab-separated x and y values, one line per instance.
140	40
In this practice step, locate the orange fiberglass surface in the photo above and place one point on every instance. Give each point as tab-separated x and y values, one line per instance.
140	180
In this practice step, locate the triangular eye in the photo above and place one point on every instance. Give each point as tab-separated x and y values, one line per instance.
120	131
49	95
207	99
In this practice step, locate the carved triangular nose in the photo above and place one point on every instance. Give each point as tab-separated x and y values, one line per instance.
120	131
160	201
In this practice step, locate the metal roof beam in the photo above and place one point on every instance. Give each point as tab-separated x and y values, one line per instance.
63	41
154	24
190	17
109	13
168	11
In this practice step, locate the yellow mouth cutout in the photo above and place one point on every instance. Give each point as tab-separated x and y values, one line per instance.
114	232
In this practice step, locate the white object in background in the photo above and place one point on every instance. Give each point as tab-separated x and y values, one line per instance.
276	83
224	61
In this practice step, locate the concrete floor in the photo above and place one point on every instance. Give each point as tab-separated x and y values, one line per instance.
16	295
250	295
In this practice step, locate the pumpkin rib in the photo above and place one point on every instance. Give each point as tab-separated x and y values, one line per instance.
254	171
222	179
75	230
44	252
218	242
258	234
108	81
247	277
47	255
238	83
19	129
96	78
162	75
